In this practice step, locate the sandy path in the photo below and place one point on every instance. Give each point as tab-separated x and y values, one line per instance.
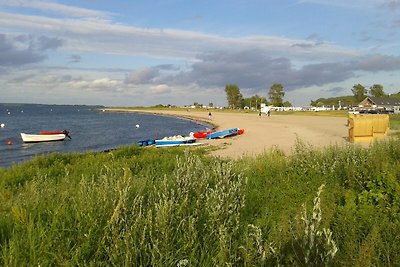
263	133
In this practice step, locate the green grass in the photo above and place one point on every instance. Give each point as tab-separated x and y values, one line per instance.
175	207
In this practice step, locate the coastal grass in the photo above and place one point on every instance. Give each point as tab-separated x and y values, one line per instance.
338	206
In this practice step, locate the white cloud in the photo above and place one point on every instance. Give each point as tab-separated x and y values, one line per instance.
55	8
160	89
359	4
106	37
96	84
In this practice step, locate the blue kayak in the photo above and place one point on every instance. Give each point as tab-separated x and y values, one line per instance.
223	134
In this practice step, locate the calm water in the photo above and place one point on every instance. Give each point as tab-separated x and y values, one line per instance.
90	129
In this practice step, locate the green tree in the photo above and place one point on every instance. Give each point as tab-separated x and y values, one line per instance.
287	104
233	96
276	94
316	103
376	90
359	92
255	101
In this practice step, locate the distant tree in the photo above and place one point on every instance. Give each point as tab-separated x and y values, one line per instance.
211	105
316	103
334	101
395	95
287	104
197	105
276	94
233	96
359	92
376	90
255	101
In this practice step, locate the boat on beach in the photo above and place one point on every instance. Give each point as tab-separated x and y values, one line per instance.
45	136
147	142
184	144
176	140
200	135
225	133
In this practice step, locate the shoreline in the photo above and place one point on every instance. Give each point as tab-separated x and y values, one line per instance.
167	113
263	133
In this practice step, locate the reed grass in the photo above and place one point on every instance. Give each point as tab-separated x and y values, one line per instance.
178	207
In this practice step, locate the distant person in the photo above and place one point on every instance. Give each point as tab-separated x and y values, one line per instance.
259	113
268	113
209	115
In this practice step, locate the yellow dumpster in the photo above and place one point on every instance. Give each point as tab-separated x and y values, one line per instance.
380	125
366	127
360	129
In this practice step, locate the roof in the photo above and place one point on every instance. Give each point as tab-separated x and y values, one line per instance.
383	101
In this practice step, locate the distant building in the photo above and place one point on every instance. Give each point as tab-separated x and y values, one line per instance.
380	103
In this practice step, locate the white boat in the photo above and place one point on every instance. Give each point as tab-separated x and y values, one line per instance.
183	144
35	138
175	140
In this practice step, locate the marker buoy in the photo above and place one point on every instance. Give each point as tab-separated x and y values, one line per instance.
137	125
2	125
9	142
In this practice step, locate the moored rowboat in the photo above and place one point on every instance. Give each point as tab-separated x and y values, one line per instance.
45	137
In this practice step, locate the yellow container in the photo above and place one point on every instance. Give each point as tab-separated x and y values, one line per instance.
366	127
360	129
380	125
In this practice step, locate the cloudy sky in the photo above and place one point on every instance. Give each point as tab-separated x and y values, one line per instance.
141	53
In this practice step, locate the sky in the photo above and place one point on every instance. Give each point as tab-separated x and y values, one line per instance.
177	52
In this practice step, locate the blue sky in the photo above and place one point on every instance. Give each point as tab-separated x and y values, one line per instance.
141	53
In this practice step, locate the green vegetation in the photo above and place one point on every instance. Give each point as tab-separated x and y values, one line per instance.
173	207
344	101
276	94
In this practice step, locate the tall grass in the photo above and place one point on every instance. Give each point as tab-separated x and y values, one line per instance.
176	207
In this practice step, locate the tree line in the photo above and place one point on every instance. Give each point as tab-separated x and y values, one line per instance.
275	96
276	93
359	93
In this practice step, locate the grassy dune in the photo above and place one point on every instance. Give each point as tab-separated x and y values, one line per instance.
154	207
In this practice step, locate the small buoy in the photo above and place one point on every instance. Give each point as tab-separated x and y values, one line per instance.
9	113
9	142
2	125
137	125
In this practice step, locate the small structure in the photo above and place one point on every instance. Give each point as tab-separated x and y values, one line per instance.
367	127
380	103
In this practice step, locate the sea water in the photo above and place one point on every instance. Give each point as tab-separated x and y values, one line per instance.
91	129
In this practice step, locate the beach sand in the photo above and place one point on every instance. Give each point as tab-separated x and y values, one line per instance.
264	133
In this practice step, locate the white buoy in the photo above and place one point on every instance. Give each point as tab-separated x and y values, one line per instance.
2	125
137	125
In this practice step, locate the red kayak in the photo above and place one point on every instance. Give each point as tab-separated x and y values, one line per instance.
204	134
201	134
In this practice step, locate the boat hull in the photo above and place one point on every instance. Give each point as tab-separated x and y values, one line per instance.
200	135
184	144
175	140
147	142
223	134
36	138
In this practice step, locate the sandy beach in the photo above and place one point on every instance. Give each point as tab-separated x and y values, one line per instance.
264	133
